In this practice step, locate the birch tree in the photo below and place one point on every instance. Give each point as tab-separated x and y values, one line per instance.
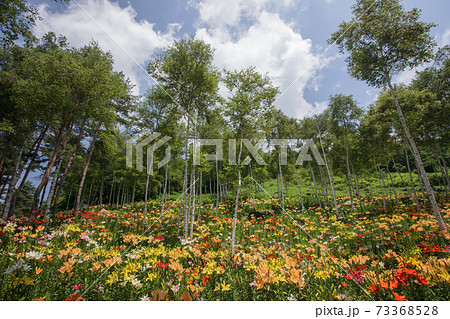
383	39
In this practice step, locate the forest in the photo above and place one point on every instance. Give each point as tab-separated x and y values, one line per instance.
349	204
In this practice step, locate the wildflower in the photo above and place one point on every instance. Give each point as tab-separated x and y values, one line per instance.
34	255
18	265
226	287
28	281
373	288
422	280
394	284
205	279
128	277
112	278
175	288
10	227
151	276
222	287
75	297
323	274
356	275
384	284
398	297
136	283
76	287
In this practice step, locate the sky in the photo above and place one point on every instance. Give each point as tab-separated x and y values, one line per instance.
287	39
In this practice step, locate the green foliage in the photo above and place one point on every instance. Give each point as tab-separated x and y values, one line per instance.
383	39
16	19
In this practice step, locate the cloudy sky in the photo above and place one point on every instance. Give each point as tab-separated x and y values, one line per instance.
285	38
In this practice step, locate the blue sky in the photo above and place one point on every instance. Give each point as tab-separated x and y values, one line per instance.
286	38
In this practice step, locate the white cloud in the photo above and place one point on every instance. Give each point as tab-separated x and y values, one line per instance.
445	38
138	38
252	33
319	107
408	75
243	32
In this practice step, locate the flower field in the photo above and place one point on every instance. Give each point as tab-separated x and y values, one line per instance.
101	254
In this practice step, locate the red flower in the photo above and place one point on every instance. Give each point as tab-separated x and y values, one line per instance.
422	280
162	265
399	297
411	272
374	288
74	297
384	284
205	279
393	284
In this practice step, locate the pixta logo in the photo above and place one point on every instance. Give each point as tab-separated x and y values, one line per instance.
252	147
144	141
253	150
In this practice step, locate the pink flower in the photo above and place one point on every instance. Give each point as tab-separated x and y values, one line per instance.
76	287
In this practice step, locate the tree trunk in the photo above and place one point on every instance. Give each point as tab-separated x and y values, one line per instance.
349	178
200	203
163	199
356	181
12	183
393	186
418	158
379	180
315	186
83	176
48	170
412	182
325	186
35	150
100	196
333	191
438	150
298	184
68	200
218	187
194	193
422	190
90	192
118	196
41	202
281	179
146	197
444	176
2	160
253	183
191	211
183	195
233	233
384	184
6	178
188	207
406	186
52	189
